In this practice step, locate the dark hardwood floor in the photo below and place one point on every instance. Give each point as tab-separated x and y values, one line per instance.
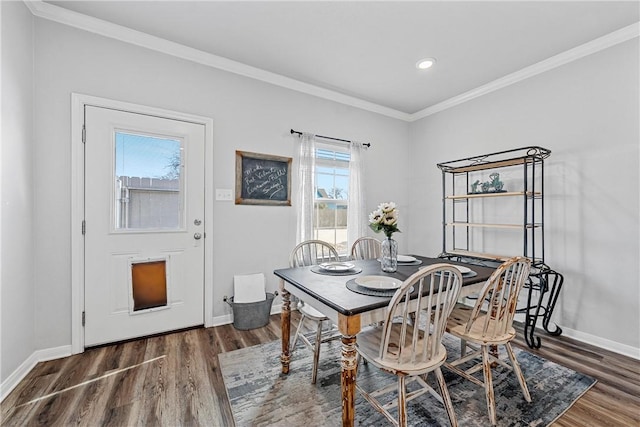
174	380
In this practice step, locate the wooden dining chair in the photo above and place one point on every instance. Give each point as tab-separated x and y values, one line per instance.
490	323
313	252
366	248
409	352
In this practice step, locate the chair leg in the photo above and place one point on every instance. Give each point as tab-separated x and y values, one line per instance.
295	338
463	348
518	372
412	316
488	384
446	399
402	402
359	359
316	353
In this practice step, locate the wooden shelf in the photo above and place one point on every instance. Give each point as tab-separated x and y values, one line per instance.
504	194
481	255
463	216
479	224
490	165
501	159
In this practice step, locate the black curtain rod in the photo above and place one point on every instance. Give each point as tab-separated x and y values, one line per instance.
366	144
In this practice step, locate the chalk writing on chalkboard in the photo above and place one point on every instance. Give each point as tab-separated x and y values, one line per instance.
262	179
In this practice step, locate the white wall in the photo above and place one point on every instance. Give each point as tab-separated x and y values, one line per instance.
247	114
587	114
17	289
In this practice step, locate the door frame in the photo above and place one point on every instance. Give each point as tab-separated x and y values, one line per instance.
78	102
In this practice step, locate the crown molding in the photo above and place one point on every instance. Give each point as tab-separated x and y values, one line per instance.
127	35
622	35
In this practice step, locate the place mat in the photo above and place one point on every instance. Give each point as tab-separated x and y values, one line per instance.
416	262
353	286
468	275
318	270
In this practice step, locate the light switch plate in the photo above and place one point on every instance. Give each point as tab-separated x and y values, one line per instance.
224	194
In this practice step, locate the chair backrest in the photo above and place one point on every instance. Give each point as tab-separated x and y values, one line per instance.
366	248
500	294
312	252
403	344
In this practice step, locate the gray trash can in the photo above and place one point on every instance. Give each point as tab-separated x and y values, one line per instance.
251	315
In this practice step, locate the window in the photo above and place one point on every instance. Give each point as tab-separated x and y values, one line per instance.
331	197
148	190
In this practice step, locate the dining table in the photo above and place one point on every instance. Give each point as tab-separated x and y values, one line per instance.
336	295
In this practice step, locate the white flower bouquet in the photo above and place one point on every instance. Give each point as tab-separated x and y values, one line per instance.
385	219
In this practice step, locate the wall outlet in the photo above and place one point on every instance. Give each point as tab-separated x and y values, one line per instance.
224	194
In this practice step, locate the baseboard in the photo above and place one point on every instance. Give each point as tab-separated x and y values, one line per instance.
222	320
36	357
603	343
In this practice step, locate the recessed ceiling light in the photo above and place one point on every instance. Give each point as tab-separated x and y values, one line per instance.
425	63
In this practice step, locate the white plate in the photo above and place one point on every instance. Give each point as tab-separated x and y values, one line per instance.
406	258
381	283
336	266
462	269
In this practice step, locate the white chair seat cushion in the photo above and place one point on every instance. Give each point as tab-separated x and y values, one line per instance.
311	312
368	345
457	324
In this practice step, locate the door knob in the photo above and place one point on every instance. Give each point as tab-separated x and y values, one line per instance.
197	236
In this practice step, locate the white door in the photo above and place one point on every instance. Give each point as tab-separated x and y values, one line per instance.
144	231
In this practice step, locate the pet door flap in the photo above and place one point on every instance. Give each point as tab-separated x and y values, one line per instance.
149	284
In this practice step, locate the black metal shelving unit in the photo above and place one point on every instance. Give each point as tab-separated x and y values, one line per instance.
464	235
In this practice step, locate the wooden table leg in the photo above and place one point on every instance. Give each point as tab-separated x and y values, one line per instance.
349	368
349	327
285	324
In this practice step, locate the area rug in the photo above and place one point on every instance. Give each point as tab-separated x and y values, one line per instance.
260	395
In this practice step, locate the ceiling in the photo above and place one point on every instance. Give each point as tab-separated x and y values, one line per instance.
368	50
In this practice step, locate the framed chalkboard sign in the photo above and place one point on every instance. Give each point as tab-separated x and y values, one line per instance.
262	179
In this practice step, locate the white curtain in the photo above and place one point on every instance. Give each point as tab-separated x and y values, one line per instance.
306	186
357	219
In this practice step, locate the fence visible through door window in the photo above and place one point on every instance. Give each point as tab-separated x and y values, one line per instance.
148	192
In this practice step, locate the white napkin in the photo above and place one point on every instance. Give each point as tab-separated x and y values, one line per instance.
249	288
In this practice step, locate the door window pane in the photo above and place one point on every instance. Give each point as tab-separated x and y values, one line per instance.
148	182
